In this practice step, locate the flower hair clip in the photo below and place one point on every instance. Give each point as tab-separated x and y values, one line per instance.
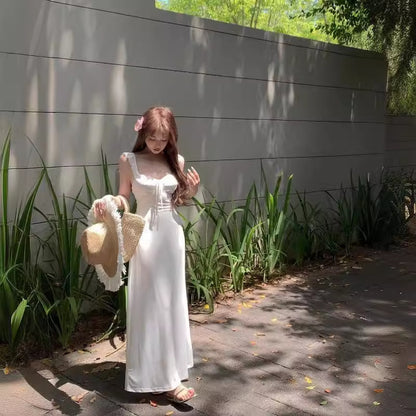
139	124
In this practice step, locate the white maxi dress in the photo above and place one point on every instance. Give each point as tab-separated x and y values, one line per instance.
159	349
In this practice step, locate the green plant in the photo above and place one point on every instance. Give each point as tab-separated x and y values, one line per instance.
68	279
396	196
15	256
273	224
306	231
204	260
368	207
345	217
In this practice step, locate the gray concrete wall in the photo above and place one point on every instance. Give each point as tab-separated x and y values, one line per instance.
401	143
75	74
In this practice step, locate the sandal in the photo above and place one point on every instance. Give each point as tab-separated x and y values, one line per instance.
173	396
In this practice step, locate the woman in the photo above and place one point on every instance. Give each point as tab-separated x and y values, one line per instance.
159	350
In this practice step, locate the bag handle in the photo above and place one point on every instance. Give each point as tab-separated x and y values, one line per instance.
124	202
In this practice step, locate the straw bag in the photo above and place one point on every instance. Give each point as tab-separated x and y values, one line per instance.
132	226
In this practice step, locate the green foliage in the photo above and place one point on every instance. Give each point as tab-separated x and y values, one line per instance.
204	254
306	231
345	217
271	15
15	255
274	221
372	212
389	26
42	291
236	227
43	283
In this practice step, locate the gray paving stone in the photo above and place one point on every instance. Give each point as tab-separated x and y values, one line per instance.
351	331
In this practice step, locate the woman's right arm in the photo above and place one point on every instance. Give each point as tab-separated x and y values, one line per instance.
123	190
126	178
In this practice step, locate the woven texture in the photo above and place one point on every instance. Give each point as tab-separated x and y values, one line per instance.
132	228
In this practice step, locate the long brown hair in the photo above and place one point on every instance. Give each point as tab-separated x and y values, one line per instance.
159	121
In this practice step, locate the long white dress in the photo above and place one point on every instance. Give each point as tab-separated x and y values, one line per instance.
159	349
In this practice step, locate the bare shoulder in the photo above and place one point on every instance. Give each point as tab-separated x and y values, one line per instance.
124	163
181	161
123	158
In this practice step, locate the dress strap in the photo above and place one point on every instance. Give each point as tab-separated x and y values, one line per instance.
131	157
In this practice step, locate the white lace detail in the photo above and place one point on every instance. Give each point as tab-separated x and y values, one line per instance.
112	283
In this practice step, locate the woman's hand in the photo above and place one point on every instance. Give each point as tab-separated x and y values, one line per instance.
100	209
193	181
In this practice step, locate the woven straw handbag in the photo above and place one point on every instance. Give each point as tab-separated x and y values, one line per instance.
132	226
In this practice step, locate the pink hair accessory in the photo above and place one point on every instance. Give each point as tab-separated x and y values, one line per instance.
139	124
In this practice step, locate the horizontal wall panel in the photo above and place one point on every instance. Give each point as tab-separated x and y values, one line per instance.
94	35
400	141
68	181
398	158
322	173
75	74
228	180
59	138
67	139
39	84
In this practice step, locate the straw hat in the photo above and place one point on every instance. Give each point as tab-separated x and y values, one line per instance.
110	243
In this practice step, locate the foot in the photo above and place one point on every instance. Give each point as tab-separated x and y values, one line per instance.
181	394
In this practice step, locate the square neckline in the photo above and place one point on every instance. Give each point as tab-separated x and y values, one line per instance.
139	174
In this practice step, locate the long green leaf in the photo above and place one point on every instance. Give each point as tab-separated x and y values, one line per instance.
16	320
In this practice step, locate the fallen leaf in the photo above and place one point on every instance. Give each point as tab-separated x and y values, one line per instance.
260	334
288	326
153	404
78	398
255	354
327	391
205	360
206	307
253	342
376	403
6	370
274	320
169	413
263	296
309	387
323	402
379	390
308	380
93	400
411	367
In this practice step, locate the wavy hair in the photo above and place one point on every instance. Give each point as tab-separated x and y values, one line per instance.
159	121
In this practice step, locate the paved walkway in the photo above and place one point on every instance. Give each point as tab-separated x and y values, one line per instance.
336	342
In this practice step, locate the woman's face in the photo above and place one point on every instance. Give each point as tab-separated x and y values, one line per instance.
156	144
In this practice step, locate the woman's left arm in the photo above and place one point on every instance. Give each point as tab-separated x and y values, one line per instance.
191	176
